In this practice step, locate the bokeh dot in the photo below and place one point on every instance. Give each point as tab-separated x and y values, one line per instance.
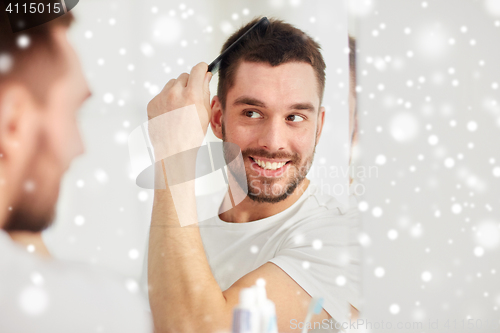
133	254
79	220
317	244
363	206
143	196
392	234
380	159
433	140
487	234
456	208
23	41
379	272
403	127
108	98
340	280
426	276
472	126
394	309
33	300
449	162
132	285
377	211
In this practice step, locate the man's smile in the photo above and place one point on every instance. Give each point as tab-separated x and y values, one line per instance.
269	164
268	167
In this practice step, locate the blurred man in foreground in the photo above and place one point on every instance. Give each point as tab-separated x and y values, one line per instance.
41	89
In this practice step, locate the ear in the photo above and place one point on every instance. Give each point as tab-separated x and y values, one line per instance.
321	121
19	125
216	120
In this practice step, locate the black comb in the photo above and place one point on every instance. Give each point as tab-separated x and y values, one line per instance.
214	65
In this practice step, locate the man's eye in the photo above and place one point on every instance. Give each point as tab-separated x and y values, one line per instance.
295	118
249	114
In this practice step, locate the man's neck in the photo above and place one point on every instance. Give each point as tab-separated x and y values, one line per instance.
249	210
32	241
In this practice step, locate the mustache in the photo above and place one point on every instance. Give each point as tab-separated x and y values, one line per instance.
266	154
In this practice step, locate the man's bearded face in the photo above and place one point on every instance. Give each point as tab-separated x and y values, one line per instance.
272	113
58	142
262	188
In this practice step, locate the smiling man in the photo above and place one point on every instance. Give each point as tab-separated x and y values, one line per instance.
285	231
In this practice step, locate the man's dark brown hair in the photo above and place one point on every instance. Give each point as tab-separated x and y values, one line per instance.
276	44
36	65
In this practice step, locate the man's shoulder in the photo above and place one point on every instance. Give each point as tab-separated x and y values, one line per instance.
21	268
321	204
79	293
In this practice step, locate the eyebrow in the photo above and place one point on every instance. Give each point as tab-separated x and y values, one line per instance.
246	100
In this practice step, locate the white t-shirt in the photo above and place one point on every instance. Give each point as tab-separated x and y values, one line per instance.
314	241
50	296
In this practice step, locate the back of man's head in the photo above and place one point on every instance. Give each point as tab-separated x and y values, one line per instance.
276	44
30	57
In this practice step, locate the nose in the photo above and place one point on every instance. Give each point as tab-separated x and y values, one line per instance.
273	135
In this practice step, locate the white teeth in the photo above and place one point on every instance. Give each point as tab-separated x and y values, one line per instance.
269	165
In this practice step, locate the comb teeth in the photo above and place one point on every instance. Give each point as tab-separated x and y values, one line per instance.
259	26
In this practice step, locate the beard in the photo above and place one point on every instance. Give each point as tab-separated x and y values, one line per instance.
266	189
24	218
34	210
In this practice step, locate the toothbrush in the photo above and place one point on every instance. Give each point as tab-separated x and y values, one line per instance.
314	308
